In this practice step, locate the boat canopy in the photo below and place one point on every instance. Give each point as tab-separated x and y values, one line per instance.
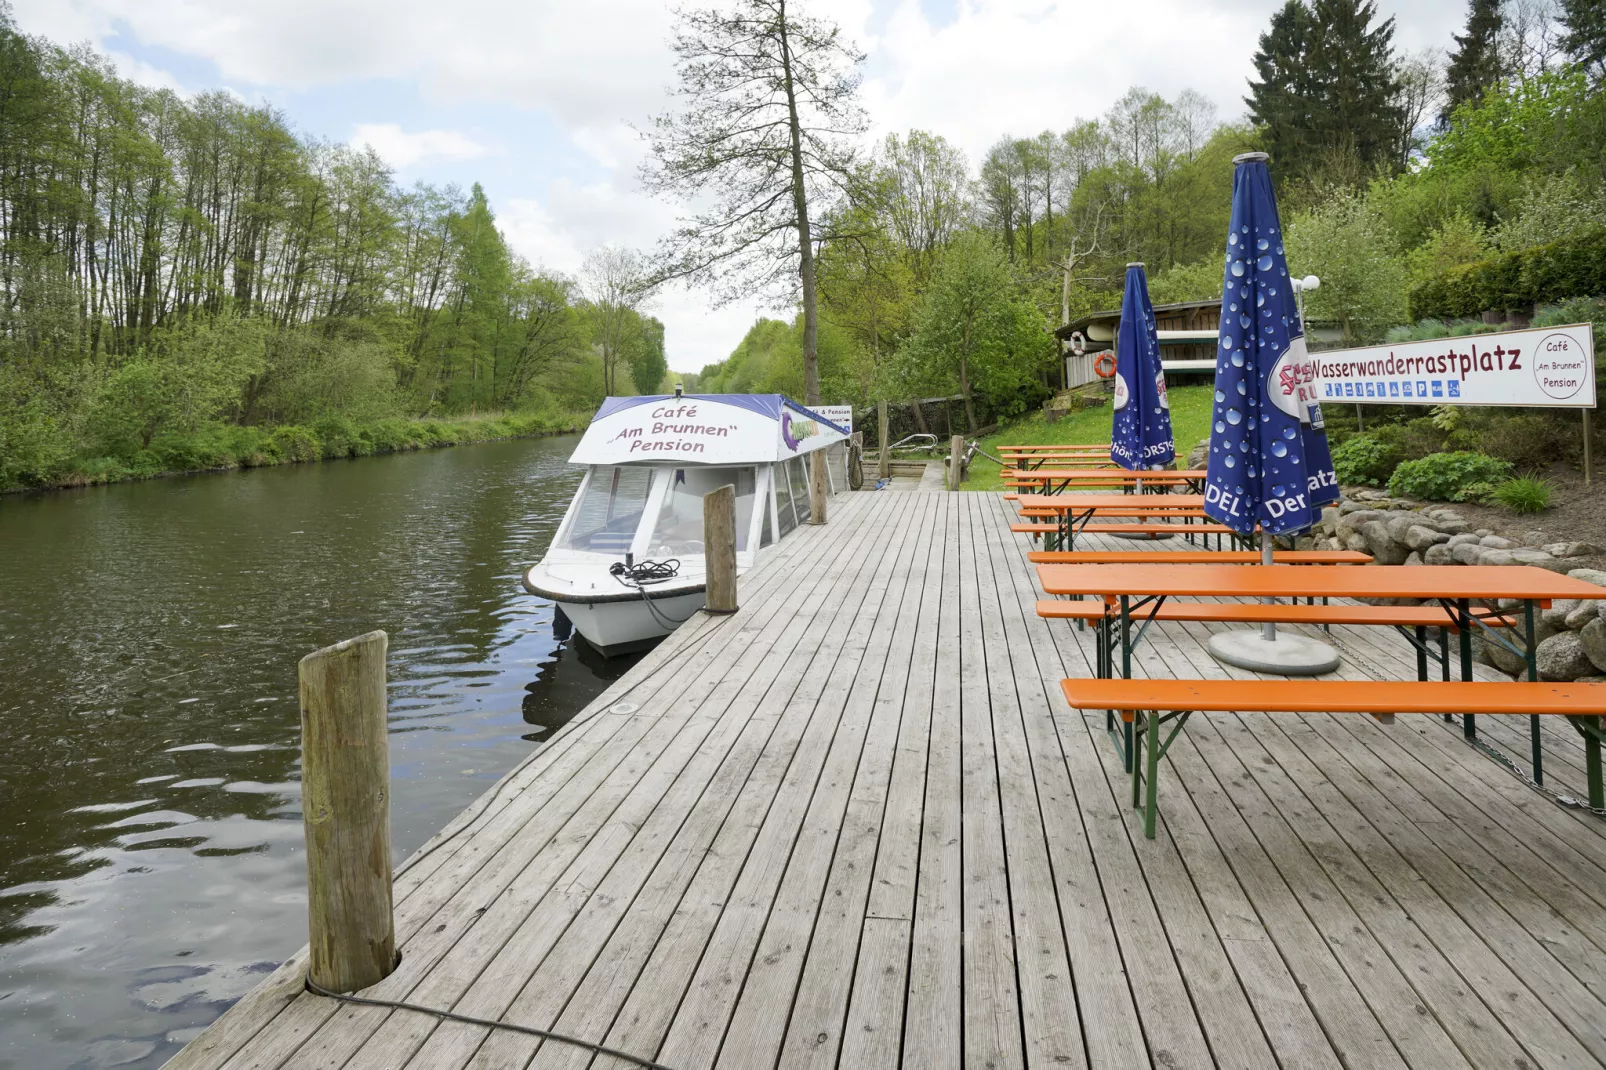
722	429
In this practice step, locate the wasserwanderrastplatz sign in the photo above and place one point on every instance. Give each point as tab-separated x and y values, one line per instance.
1551	366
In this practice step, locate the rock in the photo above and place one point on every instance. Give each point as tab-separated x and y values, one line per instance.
1352	521
1557	613
1438	554
1591	680
1400	523
1467	553
1538	559
1451	526
1556	549
1580	549
1329	520
1384	550
1592	641
1562	657
1534	538
1418	537
1586	611
1589	575
1413	558
1495	542
1353	505
1494	654
1482	532
1355	541
1462	539
1487	556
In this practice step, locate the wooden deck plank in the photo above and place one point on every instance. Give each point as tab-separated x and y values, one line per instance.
855	825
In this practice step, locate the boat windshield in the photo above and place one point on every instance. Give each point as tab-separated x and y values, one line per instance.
610	510
679	529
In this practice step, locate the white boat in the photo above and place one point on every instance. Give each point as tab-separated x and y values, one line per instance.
626	565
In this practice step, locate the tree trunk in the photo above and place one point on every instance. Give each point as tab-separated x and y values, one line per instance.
805	241
920	416
964	378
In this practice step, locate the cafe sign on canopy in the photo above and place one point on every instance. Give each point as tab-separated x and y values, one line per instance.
1545	366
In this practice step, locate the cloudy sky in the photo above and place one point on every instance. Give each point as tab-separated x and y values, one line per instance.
536	98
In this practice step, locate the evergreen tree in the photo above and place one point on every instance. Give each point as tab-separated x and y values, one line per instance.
1326	99
1586	33
1475	64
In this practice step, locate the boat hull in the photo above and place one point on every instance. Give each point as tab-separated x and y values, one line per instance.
624	622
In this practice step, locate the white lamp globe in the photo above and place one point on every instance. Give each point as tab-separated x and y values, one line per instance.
1310	282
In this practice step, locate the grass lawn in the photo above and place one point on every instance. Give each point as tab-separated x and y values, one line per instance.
1190	422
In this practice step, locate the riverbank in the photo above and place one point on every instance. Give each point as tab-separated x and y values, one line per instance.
224	448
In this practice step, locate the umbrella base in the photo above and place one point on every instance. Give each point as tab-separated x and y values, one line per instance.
1138	537
1286	655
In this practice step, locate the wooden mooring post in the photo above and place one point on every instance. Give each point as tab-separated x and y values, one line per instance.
817	485
719	549
956	462
345	807
883	468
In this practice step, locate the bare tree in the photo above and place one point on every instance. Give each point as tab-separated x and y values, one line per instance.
767	125
1193	118
614	280
928	193
1530	36
1421	97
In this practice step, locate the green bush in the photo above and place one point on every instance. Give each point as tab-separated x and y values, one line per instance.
1525	494
1365	460
1444	477
295	444
1563	269
1479	493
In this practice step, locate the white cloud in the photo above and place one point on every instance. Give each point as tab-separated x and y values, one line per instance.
402	149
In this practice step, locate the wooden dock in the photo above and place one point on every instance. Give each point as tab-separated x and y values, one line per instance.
855	826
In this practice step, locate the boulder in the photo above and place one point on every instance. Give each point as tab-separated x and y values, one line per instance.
1451	525
1482	532
1353	504
1557	613
1384	550
1413	558
1586	610
1352	521
1438	554
1400	523
1467	553
1556	549
1562	657
1329	519
1580	549
1592	641
1538	559
1462	539
1487	556
1418	537
1494	654
1589	575
1495	542
1355	541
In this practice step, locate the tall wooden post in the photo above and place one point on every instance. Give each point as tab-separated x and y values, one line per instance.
883	467
345	807
817	485
956	461
719	549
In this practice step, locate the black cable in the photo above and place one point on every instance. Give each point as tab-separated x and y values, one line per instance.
641	574
488	1023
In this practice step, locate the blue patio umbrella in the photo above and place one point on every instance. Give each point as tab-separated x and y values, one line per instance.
1269	464
1140	436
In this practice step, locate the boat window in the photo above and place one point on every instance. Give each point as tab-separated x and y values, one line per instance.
798	466
679	528
610	510
783	500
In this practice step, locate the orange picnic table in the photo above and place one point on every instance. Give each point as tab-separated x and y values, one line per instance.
1036	456
1059	480
1071	513
1196	557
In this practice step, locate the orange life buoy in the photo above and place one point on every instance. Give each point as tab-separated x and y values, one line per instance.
1104	365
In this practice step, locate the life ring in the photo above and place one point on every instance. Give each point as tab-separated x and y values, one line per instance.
1104	365
1078	343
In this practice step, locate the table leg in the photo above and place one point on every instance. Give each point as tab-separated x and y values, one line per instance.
1126	668
1463	608
1153	774
1421	653
1532	656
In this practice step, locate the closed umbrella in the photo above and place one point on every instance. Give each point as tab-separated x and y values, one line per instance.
1269	466
1140	436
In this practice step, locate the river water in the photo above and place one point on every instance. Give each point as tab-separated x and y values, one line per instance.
151	868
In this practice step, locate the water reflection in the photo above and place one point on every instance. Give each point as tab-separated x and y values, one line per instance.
150	866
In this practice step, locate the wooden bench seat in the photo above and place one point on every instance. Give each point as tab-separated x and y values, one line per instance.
1195	557
1150	704
1275	613
1133	528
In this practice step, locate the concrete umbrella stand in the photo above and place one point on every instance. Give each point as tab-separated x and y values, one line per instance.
1266	651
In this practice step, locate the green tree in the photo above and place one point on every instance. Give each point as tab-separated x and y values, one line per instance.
1347	244
770	110
1327	94
1585	39
647	361
1475	65
974	331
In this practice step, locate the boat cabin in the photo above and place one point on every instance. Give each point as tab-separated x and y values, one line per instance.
650	460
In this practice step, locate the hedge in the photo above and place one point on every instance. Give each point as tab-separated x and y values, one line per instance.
1573	267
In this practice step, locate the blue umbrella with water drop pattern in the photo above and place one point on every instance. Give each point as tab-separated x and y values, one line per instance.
1140	432
1269	464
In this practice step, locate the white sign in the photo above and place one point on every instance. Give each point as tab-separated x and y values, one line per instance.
701	429
1545	366
841	415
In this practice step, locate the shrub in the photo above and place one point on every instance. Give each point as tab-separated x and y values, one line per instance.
293	443
1562	269
1365	460
1444	477
1479	493
1525	494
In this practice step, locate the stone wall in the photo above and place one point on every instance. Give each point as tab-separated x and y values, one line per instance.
1571	634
